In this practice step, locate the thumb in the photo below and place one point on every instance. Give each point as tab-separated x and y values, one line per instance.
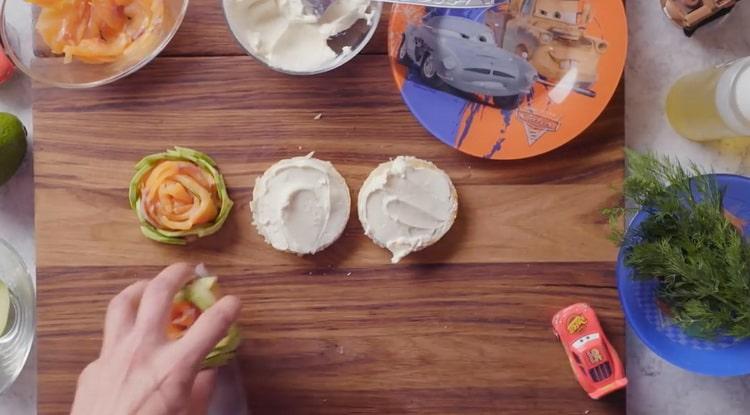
203	389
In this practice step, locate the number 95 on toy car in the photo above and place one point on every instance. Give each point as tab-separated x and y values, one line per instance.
594	361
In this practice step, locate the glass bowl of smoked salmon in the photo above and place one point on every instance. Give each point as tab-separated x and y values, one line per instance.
87	43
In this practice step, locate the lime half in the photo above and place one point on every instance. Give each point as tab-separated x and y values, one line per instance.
4	307
12	145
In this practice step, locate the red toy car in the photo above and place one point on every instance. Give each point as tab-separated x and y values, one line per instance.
594	361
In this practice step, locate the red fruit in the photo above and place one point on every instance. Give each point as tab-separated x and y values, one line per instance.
6	67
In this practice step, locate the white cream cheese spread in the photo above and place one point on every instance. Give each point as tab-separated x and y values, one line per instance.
287	36
301	205
406	205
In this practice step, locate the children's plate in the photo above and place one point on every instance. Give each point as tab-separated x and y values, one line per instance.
511	81
722	356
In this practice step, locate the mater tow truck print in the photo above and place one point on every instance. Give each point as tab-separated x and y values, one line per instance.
510	81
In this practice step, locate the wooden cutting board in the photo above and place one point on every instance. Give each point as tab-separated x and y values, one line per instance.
463	327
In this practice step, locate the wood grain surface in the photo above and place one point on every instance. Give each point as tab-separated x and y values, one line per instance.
463	327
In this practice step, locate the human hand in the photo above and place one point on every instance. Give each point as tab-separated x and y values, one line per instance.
140	371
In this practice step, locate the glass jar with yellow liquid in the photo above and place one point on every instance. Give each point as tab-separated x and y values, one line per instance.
713	104
17	311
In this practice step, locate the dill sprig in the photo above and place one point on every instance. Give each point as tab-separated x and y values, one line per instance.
688	244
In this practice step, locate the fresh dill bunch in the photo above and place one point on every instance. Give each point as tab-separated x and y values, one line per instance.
688	244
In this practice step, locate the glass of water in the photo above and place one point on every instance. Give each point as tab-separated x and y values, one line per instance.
18	335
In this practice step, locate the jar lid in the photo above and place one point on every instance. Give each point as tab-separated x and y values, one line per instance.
733	96
741	97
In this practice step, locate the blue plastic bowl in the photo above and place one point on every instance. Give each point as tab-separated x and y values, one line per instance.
725	356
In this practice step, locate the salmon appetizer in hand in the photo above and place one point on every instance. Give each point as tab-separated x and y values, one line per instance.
179	196
189	303
99	31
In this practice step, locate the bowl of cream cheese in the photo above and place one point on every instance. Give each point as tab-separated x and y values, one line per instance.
287	37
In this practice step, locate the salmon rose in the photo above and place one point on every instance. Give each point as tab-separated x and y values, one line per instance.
179	195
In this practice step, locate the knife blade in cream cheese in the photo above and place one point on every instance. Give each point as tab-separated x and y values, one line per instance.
287	36
301	205
406	205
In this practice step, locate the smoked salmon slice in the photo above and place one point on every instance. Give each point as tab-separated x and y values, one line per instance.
182	315
177	195
98	31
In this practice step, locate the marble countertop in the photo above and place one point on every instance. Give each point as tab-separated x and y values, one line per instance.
17	227
659	53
